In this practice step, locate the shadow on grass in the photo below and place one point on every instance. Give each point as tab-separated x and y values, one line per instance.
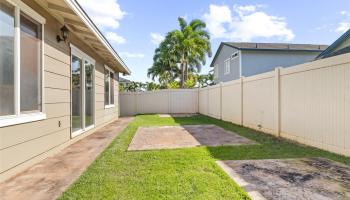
270	147
188	173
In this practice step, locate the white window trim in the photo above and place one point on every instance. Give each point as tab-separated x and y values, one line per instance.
227	70
28	10
79	53
110	106
19	118
216	71
84	57
109	94
24	118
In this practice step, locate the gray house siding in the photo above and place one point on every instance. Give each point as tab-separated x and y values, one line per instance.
226	53
256	62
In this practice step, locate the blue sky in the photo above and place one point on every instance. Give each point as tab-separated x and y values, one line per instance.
136	27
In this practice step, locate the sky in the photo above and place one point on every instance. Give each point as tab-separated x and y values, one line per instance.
135	28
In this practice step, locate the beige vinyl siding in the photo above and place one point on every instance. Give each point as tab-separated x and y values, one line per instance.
24	144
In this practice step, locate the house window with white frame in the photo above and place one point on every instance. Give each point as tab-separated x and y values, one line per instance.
109	87
21	63
216	71
227	66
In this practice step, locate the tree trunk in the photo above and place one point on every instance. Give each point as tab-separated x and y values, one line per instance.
186	72
182	80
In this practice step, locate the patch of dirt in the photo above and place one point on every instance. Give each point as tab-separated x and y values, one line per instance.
306	178
292	177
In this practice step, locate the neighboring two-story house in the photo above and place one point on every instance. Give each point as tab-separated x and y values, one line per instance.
233	60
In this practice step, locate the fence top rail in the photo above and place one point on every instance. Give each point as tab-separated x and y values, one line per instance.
317	64
257	77
203	89
234	82
213	86
162	91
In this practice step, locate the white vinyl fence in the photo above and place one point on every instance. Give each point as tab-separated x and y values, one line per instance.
160	101
308	103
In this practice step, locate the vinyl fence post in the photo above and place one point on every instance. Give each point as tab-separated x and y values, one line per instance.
136	103
169	101
241	100
208	114
221	100
277	102
197	96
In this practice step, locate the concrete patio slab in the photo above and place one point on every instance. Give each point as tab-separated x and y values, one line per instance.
171	137
177	115
291	179
49	178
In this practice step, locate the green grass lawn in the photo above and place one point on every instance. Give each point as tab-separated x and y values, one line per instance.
189	173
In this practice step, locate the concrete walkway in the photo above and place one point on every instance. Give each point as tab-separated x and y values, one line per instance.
50	177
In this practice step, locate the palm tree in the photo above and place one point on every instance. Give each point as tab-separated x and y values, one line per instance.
187	46
134	86
205	80
164	64
191	44
151	86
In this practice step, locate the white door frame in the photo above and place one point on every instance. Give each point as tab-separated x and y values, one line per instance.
84	57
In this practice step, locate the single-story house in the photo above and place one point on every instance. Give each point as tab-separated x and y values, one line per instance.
58	80
340	46
235	59
124	81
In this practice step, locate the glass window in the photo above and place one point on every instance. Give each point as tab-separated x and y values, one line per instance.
227	66
21	40
30	68
111	82
7	37
109	87
107	90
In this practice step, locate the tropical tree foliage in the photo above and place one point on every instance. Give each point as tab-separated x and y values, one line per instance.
205	80
194	80
182	52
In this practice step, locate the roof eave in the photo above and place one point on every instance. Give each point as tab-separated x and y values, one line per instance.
334	44
219	49
85	18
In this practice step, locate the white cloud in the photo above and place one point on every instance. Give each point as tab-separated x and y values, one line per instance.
106	13
343	27
132	55
244	9
345	13
156	38
244	23
215	20
115	38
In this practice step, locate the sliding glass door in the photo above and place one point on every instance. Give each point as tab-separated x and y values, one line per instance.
82	92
